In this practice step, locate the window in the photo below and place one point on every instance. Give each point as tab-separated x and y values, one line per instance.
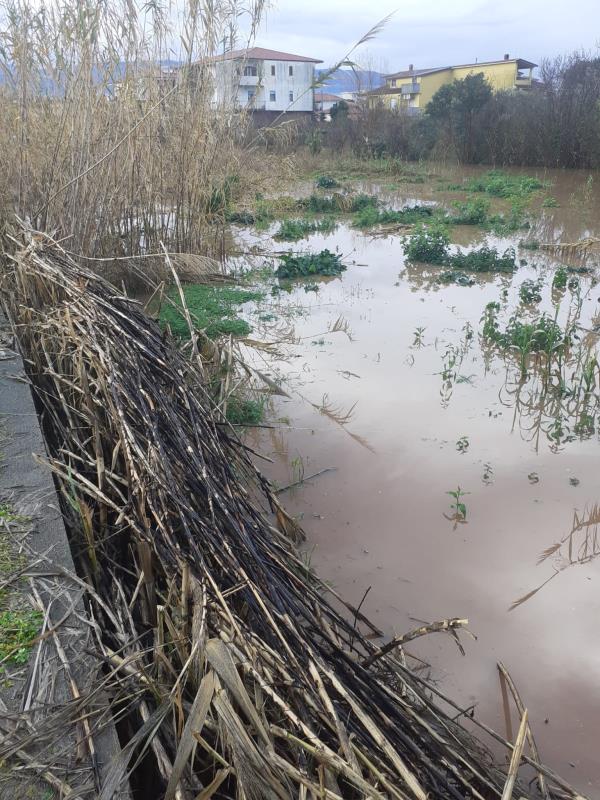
273	70
251	94
250	70
272	97
291	96
394	82
291	71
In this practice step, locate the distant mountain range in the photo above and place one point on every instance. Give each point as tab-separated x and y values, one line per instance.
347	80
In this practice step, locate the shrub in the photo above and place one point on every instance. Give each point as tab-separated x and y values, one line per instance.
305	264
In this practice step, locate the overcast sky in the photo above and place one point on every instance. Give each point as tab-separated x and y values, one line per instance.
429	33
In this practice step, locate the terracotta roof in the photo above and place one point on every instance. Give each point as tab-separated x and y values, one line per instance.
263	54
321	97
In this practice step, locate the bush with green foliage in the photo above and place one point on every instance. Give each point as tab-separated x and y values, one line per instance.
213	309
301	265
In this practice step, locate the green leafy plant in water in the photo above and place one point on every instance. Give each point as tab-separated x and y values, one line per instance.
305	264
550	202
530	291
484	259
560	278
458	506
428	244
473	211
369	216
18	628
293	229
503	184
453	276
213	309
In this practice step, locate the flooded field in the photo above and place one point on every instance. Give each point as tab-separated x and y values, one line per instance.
462	478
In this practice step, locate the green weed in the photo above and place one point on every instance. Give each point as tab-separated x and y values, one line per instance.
244	411
485	259
530	291
369	216
428	244
550	202
560	278
293	229
18	628
301	265
503	184
473	211
458	506
326	182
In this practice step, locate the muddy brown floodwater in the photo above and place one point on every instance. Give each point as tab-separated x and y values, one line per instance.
433	409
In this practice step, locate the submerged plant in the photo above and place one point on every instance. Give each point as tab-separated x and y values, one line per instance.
293	229
369	216
484	259
560	278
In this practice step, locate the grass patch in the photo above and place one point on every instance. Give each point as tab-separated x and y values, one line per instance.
369	216
244	411
213	309
291	230
301	265
18	628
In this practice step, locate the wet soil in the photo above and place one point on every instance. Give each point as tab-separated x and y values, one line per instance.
434	408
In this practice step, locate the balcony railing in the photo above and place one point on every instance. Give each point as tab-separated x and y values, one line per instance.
411	88
249	80
522	81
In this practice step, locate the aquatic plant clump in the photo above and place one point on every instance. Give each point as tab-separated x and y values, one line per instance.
530	291
291	230
542	335
213	309
428	244
370	216
301	265
484	259
338	202
471	212
503	184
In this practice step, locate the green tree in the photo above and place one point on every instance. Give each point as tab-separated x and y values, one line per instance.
454	108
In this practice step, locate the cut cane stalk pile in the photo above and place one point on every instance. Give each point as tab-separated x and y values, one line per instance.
245	675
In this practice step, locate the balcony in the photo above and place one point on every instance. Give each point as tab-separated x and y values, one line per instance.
410	88
249	80
522	82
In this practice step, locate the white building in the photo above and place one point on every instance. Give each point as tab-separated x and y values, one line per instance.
264	80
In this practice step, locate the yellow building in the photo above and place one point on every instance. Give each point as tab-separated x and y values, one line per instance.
412	89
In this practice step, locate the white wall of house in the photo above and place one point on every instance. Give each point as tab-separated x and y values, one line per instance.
276	86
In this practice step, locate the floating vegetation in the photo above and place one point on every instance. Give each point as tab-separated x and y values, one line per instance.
301	265
293	229
530	291
369	216
459	278
214	310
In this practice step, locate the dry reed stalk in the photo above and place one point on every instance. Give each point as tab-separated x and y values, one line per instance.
268	677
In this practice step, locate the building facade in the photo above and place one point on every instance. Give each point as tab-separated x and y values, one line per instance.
410	90
258	79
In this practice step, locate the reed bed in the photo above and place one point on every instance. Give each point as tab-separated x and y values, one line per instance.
239	672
